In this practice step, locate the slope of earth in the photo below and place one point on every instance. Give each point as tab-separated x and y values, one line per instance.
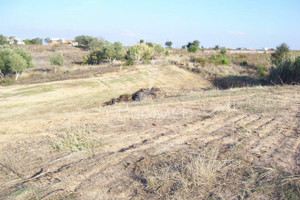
57	142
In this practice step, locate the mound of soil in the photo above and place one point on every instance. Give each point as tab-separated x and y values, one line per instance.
139	95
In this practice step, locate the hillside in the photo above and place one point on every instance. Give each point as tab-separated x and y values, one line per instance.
58	142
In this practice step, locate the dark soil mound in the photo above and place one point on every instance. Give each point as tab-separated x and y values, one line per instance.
140	95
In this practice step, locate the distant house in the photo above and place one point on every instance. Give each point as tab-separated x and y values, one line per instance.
55	41
15	40
265	48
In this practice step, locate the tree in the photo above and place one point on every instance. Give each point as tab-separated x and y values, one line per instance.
169	44
47	40
84	40
141	41
196	43
3	40
114	51
14	61
216	47
282	52
34	41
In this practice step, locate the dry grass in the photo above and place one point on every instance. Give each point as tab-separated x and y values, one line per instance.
197	143
75	139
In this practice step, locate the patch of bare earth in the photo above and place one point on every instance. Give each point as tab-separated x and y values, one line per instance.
234	144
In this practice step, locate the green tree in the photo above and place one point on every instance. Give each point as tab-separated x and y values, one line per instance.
196	43
14	61
216	47
47	40
84	40
114	51
3	40
169	44
282	53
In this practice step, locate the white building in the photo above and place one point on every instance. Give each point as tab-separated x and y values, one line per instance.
15	40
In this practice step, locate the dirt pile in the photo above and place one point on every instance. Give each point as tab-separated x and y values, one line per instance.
140	95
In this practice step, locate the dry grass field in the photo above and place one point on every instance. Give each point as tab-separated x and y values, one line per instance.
57	141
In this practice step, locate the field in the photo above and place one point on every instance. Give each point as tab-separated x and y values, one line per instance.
57	141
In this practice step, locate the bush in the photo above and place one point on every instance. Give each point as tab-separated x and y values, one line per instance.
233	58
56	59
287	72
244	63
224	61
108	52
200	60
129	62
223	51
192	48
213	57
142	53
181	55
167	53
35	41
261	70
281	53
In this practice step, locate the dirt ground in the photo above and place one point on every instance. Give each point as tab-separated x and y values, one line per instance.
58	142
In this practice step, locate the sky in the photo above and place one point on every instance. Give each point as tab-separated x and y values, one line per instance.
228	23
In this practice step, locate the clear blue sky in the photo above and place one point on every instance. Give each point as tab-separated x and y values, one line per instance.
230	23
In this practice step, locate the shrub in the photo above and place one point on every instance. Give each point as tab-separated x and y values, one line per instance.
192	48
287	72
108	52
56	59
261	70
224	61
213	57
200	60
233	58
281	53
34	41
220	57
244	63
223	51
167	53
142	52
181	55
129	62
